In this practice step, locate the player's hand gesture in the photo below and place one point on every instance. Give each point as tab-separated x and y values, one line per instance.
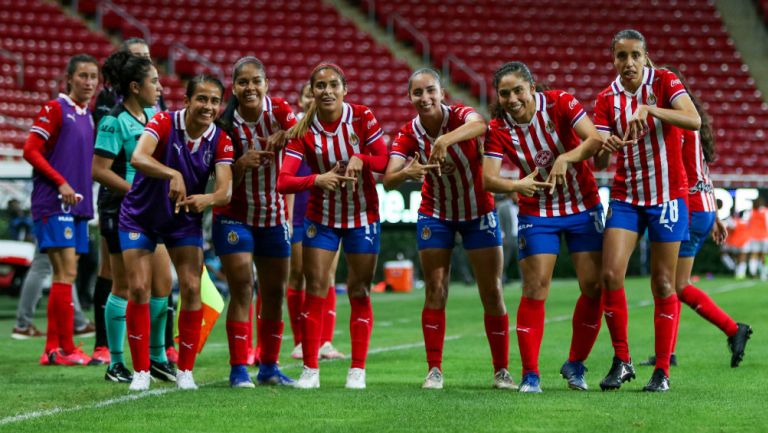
637	126
256	158
332	180
614	144
197	203
416	171
177	190
528	186
277	141
557	173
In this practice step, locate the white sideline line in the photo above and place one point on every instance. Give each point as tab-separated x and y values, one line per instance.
155	392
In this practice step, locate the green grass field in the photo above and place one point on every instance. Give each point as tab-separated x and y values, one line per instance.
706	396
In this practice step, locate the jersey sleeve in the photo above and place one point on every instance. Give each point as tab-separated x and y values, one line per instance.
404	145
225	152
570	109
287	181
48	121
602	114
42	137
672	87
494	143
159	126
284	115
463	112
108	141
375	156
372	129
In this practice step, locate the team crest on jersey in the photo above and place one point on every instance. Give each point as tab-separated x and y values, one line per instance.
550	126
544	158
521	242
311	231
651	99
447	167
68	233
207	157
134	236
354	140
232	237
426	233
275	126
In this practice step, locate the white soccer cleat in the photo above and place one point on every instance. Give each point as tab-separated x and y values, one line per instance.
434	379
355	379
503	380
309	379
297	353
327	351
140	381
184	380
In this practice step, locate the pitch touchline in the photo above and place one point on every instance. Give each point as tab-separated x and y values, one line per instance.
155	392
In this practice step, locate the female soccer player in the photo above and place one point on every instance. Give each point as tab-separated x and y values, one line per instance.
641	115
698	151
294	296
548	135
136	82
444	153
254	224
60	149
174	158
343	145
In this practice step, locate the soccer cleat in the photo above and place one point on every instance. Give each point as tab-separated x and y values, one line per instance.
184	380
239	377
297	353
45	358
659	382
573	372
118	373
271	375
100	356
77	357
738	343
26	333
88	330
651	361
309	379
434	379
503	380
140	381
530	383
172	354
162	371
355	378
619	373
327	351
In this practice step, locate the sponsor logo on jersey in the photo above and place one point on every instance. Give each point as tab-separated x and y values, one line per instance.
700	186
674	83
232	237
524	226
426	233
68	233
572	104
311	231
71	117
134	236
370	123
229	148
544	158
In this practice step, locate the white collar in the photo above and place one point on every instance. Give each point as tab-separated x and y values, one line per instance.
648	74
78	109
422	131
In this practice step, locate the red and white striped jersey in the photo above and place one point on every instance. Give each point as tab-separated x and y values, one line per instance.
537	144
255	201
701	198
357	133
458	194
651	171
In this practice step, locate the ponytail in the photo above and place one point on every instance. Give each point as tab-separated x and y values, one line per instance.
302	126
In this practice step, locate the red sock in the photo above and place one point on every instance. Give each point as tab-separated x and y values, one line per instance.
251	324
530	331
52	334
360	327
190	323
237	336
706	307
294	299
587	317
664	312
311	322
271	335
433	327
65	316
137	326
615	311
329	316
677	325
497	331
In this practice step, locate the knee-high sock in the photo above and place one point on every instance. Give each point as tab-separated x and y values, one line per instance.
587	317
615	311
677	325
708	309
138	321
311	322
158	313
115	322
271	336
100	294
664	312
433	328
295	299
329	316
190	323
253	316
61	298
237	336
169	320
52	332
530	331
497	332
360	328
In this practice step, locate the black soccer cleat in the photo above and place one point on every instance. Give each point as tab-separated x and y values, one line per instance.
738	343
118	373
162	371
651	361
620	372
659	382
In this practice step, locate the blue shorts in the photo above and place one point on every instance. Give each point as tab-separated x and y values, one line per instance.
482	232
666	222
541	235
62	231
230	237
360	240
298	234
148	241
699	229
